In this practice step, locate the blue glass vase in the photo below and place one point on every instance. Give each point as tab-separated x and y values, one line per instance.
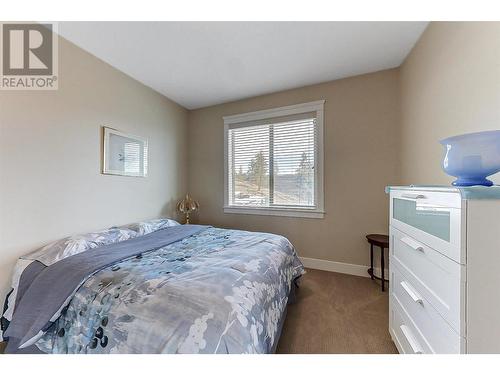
472	157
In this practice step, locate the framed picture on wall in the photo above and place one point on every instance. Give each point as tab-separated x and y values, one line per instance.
124	154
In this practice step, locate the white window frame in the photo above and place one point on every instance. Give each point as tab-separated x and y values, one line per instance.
314	212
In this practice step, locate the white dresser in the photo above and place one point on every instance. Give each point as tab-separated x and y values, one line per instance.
444	269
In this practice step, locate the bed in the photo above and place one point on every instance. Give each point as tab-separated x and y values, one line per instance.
152	287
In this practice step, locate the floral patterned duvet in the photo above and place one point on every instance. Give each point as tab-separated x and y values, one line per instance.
217	291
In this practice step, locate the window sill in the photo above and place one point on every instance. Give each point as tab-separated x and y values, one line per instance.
278	211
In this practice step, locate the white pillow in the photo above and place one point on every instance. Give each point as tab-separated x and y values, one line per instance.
149	226
63	248
72	245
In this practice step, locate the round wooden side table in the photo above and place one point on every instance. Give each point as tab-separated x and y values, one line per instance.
382	241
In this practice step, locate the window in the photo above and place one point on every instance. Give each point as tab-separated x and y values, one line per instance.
274	161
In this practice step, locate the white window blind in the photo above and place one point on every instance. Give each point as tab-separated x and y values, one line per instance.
273	163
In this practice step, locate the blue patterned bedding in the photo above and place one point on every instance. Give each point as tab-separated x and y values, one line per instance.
217	291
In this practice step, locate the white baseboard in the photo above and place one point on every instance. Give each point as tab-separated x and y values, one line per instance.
350	269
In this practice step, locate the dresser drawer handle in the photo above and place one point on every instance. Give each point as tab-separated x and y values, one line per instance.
411	340
412	243
413	196
413	295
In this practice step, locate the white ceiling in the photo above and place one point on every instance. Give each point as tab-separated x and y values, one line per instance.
198	64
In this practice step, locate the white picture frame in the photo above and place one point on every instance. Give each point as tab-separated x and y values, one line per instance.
124	154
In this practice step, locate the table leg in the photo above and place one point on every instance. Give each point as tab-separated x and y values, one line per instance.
382	264
371	260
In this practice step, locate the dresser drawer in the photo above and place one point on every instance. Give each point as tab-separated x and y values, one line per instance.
437	334
405	335
433	218
440	280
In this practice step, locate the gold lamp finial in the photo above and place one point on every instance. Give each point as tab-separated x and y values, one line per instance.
187	205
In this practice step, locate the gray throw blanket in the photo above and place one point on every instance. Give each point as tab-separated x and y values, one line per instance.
51	288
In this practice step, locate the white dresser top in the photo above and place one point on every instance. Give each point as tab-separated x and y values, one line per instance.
467	192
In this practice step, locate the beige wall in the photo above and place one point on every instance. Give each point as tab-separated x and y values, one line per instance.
361	148
450	84
50	183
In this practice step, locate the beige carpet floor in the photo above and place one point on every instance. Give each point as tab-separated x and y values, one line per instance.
337	313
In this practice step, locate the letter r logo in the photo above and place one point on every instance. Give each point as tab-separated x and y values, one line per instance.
27	49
